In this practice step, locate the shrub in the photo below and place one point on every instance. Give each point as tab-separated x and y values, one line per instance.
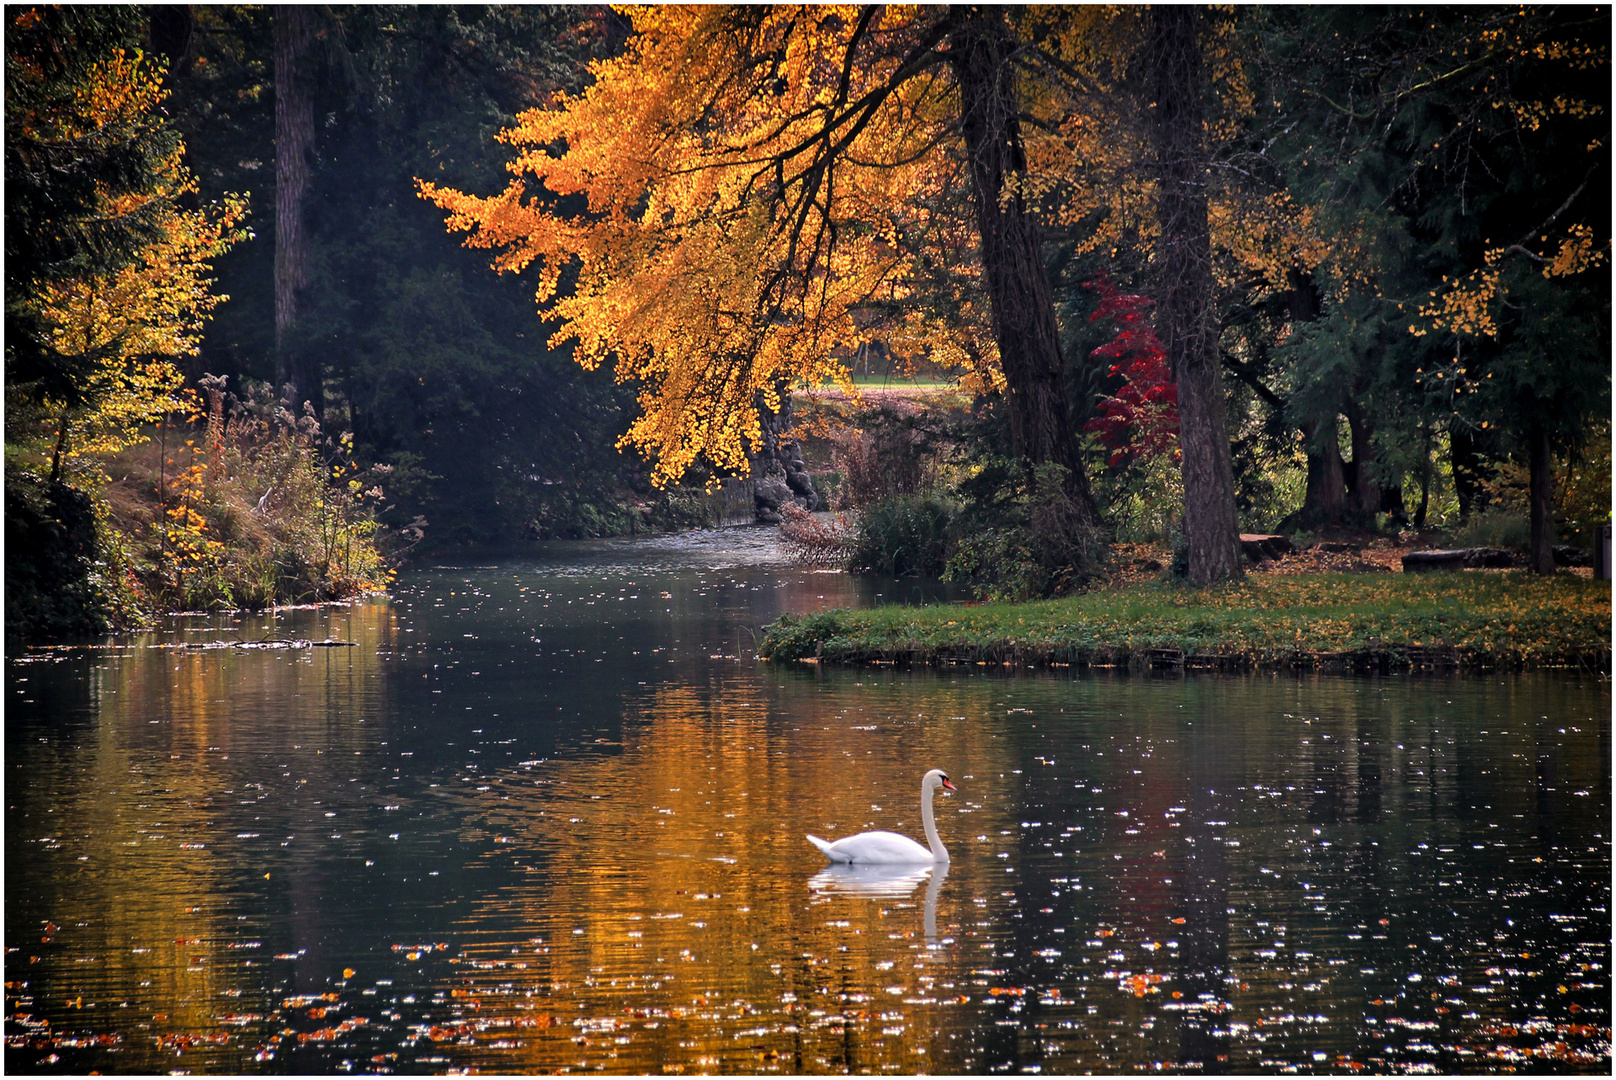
891	456
1496	527
247	512
905	534
819	540
1022	535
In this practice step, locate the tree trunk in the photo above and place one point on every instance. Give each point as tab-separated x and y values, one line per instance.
1325	502
1425	475
1542	497
1467	471
294	138
60	448
1012	254
1364	489
1187	326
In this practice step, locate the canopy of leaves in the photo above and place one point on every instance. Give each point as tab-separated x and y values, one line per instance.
735	195
1459	159
89	169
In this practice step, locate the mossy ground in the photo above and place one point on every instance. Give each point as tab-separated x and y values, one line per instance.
1340	621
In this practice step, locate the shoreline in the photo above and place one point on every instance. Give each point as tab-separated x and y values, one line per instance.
1335	623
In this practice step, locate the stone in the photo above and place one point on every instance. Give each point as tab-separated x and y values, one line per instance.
1566	555
770	492
1260	546
1416	562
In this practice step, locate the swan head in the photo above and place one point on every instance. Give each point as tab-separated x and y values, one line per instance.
937	778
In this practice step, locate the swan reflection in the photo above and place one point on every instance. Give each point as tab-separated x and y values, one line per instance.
886	883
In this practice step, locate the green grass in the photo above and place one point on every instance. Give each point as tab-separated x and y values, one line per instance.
1347	621
896	382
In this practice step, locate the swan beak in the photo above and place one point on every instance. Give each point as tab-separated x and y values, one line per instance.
947	786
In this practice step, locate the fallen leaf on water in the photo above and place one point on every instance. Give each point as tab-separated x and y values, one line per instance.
1141	985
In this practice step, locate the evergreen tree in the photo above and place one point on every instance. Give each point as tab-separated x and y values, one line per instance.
1452	157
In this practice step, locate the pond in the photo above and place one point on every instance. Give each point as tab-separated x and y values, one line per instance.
549	814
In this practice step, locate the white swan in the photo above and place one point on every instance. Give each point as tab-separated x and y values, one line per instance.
890	847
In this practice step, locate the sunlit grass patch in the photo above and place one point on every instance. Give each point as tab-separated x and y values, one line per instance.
1350	620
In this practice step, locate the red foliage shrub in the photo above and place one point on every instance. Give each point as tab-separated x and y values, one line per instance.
1141	419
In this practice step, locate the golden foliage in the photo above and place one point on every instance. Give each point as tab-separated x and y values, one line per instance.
743	197
1467	305
119	327
129	321
735	223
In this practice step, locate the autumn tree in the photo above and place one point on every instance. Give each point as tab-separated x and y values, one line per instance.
107	281
85	153
736	201
1140	420
123	329
133	290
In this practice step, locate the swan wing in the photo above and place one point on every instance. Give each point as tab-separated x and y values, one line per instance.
828	848
877	847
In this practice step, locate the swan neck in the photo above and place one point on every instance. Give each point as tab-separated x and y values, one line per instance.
938	852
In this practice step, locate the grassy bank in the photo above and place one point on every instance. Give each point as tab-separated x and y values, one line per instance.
1327	621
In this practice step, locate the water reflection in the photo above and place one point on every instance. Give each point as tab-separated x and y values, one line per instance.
885	883
548	817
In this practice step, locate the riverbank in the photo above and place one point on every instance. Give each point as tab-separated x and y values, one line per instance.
1336	622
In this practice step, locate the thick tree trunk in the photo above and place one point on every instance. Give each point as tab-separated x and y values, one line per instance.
1364	489
294	138
1325	502
1187	326
1541	485
778	473
1012	254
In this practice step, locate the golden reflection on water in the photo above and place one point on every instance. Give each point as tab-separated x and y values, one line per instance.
146	933
697	925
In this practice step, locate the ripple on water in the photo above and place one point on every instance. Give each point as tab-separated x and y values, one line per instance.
263	862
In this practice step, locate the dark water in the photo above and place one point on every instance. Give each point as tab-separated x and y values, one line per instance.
549	816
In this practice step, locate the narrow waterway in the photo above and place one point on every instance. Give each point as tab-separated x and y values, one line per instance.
548	815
